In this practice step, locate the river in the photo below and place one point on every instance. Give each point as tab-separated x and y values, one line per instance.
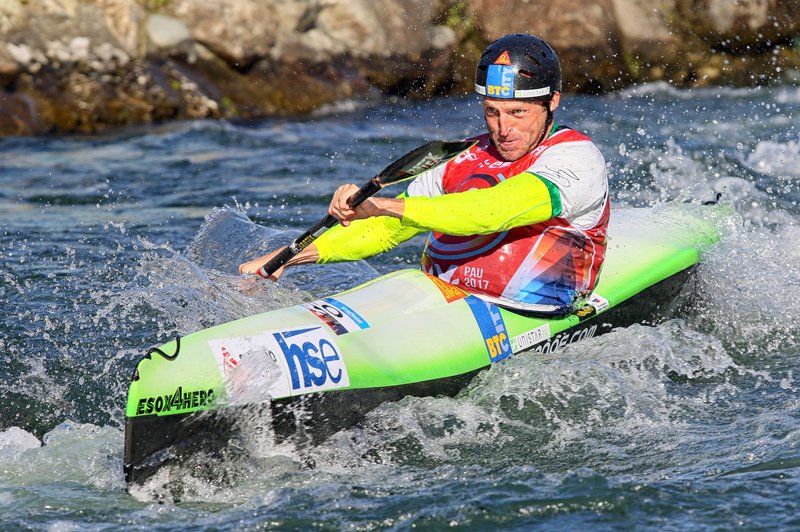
111	244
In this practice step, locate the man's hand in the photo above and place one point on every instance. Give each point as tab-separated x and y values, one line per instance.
340	207
254	265
307	256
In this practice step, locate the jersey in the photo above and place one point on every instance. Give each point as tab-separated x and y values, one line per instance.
541	267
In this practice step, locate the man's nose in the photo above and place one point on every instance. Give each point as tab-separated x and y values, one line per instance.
504	124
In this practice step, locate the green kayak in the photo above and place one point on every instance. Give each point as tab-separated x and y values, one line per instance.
320	366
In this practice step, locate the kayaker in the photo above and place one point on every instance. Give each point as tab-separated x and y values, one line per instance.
519	219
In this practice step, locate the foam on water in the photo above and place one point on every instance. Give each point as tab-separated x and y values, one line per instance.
776	159
590	400
750	288
662	88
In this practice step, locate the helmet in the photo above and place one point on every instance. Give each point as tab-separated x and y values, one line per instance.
518	66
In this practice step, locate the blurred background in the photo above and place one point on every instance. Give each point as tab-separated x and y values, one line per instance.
87	65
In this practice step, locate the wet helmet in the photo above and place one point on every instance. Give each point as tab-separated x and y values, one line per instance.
520	67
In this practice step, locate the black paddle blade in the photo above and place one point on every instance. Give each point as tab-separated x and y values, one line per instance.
423	158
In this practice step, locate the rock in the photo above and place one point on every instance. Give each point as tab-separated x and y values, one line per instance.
740	25
9	67
124	20
166	32
12	12
239	31
398	47
686	42
18	115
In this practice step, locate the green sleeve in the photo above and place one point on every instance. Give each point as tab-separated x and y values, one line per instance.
523	199
363	238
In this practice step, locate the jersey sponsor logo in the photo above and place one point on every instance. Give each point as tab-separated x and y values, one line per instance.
538	150
493	165
503	59
500	81
492	327
338	316
472	277
450	292
465	156
530	338
174	402
311	359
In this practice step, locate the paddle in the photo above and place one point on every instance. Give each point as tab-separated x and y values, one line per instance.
409	165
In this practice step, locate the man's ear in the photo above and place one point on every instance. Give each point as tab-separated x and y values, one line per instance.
555	101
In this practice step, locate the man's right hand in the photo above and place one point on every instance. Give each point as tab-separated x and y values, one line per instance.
340	208
252	267
307	256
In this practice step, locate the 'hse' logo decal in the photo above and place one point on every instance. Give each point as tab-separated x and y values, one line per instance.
312	360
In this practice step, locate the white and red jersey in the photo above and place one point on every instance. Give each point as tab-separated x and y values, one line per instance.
542	267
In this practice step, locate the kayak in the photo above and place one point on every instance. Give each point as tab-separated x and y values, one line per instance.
320	366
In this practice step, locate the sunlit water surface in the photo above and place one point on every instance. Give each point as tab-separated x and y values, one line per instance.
111	245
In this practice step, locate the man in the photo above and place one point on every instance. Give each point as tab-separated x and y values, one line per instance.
519	219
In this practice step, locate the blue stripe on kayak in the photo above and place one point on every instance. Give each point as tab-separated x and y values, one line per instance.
347	311
492	327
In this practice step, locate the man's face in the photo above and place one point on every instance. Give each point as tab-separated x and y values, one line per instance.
515	125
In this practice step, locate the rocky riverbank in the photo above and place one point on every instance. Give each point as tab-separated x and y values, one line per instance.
89	65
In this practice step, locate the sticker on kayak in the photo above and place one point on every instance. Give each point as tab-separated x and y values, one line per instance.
591	307
279	364
585	312
251	371
530	338
598	302
450	292
228	352
562	340
336	315
492	327
311	359
182	399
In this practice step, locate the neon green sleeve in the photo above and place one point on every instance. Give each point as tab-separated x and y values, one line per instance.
362	239
523	199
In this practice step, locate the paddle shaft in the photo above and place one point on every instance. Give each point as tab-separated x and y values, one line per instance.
303	241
